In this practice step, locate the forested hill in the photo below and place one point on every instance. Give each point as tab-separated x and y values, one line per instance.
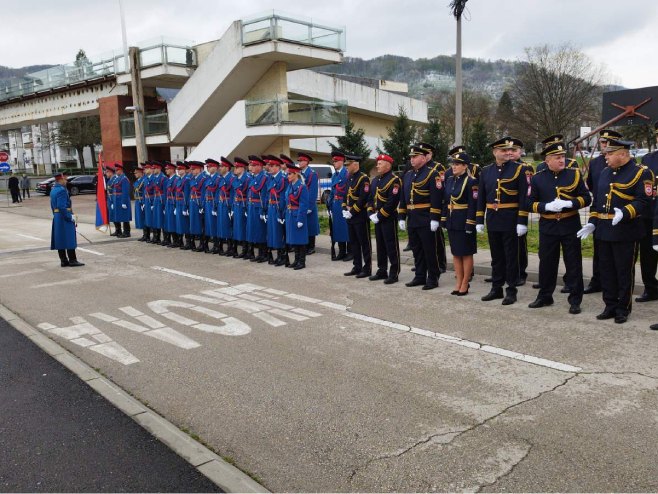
9	73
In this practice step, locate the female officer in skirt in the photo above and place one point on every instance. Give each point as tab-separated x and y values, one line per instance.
297	204
62	237
458	217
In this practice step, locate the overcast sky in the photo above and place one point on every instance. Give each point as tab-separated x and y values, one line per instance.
620	34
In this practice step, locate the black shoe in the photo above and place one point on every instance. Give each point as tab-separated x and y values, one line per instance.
488	280
575	309
430	286
493	295
591	289
454	292
76	263
339	257
363	274
390	280
605	315
348	257
654	327
378	276
645	297
310	251
414	282
114	234
521	282
540	303
509	300
64	264
565	289
413	270
353	272
536	286
407	248
620	319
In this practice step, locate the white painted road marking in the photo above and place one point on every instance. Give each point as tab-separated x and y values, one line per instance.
31	237
22	273
188	275
91	251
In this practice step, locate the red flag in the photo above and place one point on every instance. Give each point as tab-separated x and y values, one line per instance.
102	216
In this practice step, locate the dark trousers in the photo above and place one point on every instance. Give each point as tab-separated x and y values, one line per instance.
423	245
595	282
388	248
441	250
504	260
15	195
360	246
523	256
26	191
648	260
618	277
549	259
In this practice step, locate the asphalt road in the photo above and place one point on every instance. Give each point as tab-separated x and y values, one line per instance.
316	382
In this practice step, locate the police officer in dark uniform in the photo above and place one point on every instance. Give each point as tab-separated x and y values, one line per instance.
529	171
473	169
420	212
502	196
648	256
550	140
440	170
557	193
383	210
623	196
596	166
355	212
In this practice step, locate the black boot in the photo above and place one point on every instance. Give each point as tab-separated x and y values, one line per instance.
216	245
145	234
64	261
206	247
296	260
342	249
270	256
191	243
126	229
279	258
185	242
348	253
117	230
150	238
301	264
250	253
263	253
73	260
240	255
166	241
174	241
157	237
311	246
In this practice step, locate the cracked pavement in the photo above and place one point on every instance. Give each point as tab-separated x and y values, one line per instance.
336	403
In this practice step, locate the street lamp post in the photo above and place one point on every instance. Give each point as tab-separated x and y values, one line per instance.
457	7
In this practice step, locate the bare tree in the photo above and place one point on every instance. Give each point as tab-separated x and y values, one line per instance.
555	89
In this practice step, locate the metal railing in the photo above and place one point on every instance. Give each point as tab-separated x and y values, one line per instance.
301	112
152	53
278	26
155	123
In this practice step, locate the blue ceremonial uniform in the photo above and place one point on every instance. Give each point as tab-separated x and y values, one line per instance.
158	197
458	213
224	206
148	201
109	183
182	204
297	202
256	194
276	207
629	188
62	235
120	198
239	191
310	178
211	192
502	195
170	204
558	230
197	185
138	193
336	200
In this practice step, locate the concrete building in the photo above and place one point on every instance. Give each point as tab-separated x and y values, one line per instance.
250	92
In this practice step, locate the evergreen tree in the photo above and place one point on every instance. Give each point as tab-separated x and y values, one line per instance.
433	134
353	142
399	139
504	114
477	143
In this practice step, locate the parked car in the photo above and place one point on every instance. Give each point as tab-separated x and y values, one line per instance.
82	183
45	186
325	172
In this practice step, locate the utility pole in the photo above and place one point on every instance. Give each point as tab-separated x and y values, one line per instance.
457	7
138	103
126	61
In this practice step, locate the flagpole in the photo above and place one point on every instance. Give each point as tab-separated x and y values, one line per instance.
125	38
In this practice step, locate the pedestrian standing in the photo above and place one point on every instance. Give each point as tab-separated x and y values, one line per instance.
14	188
62	238
25	185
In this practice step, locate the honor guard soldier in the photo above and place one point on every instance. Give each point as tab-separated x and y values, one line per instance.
224	205
138	194
458	210
276	209
311	181
62	238
383	203
169	219
210	194
557	194
420	213
624	194
440	169
182	211
355	212
239	213
648	256
296	221
502	194
256	199
550	140
148	201
529	171
110	178
197	186
473	169
120	192
596	166
339	232
158	180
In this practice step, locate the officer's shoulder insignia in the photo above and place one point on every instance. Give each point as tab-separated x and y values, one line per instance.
396	189
474	191
439	183
648	188
366	186
528	176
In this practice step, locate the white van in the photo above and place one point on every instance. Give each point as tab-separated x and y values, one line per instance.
324	171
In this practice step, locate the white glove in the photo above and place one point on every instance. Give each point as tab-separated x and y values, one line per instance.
308	211
347	215
245	214
618	216
175	212
479	228
403	225
112	206
554	206
265	218
300	224
200	210
123	206
564	203
521	230
586	231
142	207
374	218
230	215
281	220
186	213
214	213
434	225
655	247
330	216
151	208
262	217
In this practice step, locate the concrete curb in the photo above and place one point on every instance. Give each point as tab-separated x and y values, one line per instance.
224	475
